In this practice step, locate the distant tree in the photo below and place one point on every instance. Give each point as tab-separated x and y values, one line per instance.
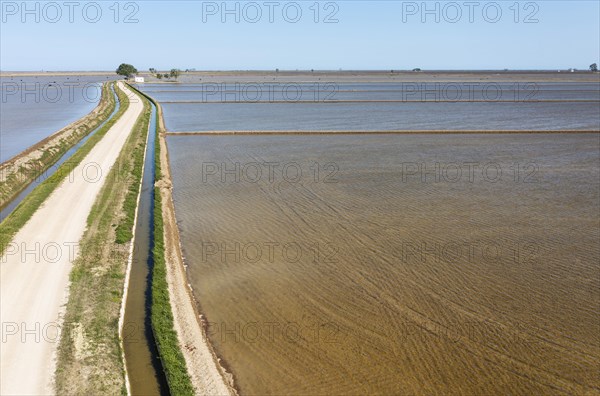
159	76
126	70
152	70
174	73
276	70
166	75
416	69
594	67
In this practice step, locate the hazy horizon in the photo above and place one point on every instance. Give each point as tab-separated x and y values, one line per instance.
384	70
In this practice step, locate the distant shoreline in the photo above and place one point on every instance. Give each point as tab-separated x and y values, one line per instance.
257	71
346	76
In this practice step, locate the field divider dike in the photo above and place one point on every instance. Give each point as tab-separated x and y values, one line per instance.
20	171
190	363
121	238
91	360
23	212
162	319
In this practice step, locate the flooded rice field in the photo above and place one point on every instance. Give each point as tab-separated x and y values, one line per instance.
393	264
366	116
322	91
322	106
34	107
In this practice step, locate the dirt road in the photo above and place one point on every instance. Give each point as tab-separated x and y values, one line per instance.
34	271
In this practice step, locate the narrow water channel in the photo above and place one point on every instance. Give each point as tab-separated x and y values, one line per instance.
11	206
146	375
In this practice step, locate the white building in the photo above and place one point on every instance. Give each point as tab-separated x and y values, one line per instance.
139	79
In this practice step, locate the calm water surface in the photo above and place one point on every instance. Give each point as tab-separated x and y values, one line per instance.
33	108
327	91
380	116
323	106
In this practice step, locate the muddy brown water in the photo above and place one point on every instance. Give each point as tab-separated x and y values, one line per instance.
396	264
145	372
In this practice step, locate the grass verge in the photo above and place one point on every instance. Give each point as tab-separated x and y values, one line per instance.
168	346
18	173
23	212
90	355
162	317
124	231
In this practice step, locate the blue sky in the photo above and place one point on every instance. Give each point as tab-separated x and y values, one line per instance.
360	35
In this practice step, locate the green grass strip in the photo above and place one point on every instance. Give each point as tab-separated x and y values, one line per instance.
167	342
168	346
96	290
124	232
23	212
